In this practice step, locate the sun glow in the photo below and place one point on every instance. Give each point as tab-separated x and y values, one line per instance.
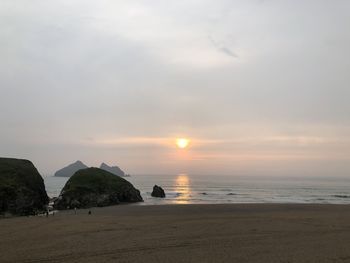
183	188
182	143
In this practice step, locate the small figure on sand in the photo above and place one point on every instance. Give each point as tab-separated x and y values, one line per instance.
75	210
47	213
89	212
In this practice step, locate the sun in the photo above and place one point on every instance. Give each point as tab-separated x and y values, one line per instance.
182	143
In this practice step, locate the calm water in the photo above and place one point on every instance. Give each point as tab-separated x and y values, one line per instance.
187	189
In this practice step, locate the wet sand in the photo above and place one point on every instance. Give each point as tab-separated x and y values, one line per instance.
182	233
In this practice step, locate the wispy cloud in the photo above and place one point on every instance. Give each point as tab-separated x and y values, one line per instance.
222	48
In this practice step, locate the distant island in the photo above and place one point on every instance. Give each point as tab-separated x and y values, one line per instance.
71	169
113	169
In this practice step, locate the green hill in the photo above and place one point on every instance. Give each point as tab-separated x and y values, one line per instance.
93	187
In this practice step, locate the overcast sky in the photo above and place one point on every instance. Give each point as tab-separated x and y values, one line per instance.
260	87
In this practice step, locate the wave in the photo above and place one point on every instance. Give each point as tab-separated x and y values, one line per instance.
341	196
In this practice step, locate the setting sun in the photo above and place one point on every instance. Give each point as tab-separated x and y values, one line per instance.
182	143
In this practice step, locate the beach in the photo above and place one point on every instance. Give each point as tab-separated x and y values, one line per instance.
182	233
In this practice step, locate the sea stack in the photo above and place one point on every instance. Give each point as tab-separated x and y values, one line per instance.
94	187
158	192
22	189
71	169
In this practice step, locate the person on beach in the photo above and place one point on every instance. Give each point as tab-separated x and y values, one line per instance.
89	213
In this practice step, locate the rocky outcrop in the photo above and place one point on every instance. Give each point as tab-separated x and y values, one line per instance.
112	169
22	189
93	187
158	192
71	169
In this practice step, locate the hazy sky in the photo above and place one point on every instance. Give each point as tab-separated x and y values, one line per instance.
260	87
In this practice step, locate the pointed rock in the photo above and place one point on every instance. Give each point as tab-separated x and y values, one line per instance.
158	192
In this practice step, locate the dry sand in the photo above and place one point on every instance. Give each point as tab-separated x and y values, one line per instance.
182	233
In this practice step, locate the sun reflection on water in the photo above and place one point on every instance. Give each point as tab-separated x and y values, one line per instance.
183	188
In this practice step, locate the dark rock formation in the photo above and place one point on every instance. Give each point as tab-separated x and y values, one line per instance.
22	189
158	191
93	187
112	169
71	169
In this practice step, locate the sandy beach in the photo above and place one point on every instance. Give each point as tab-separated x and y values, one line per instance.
182	233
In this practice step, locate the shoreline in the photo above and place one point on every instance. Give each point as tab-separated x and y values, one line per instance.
167	205
190	206
182	233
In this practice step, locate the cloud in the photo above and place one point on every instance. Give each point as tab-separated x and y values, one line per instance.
228	52
220	47
239	77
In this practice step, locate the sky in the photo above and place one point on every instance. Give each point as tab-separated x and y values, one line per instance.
259	87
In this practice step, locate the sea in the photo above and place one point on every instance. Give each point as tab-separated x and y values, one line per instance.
197	189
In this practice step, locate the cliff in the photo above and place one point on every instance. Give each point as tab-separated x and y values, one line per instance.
22	189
